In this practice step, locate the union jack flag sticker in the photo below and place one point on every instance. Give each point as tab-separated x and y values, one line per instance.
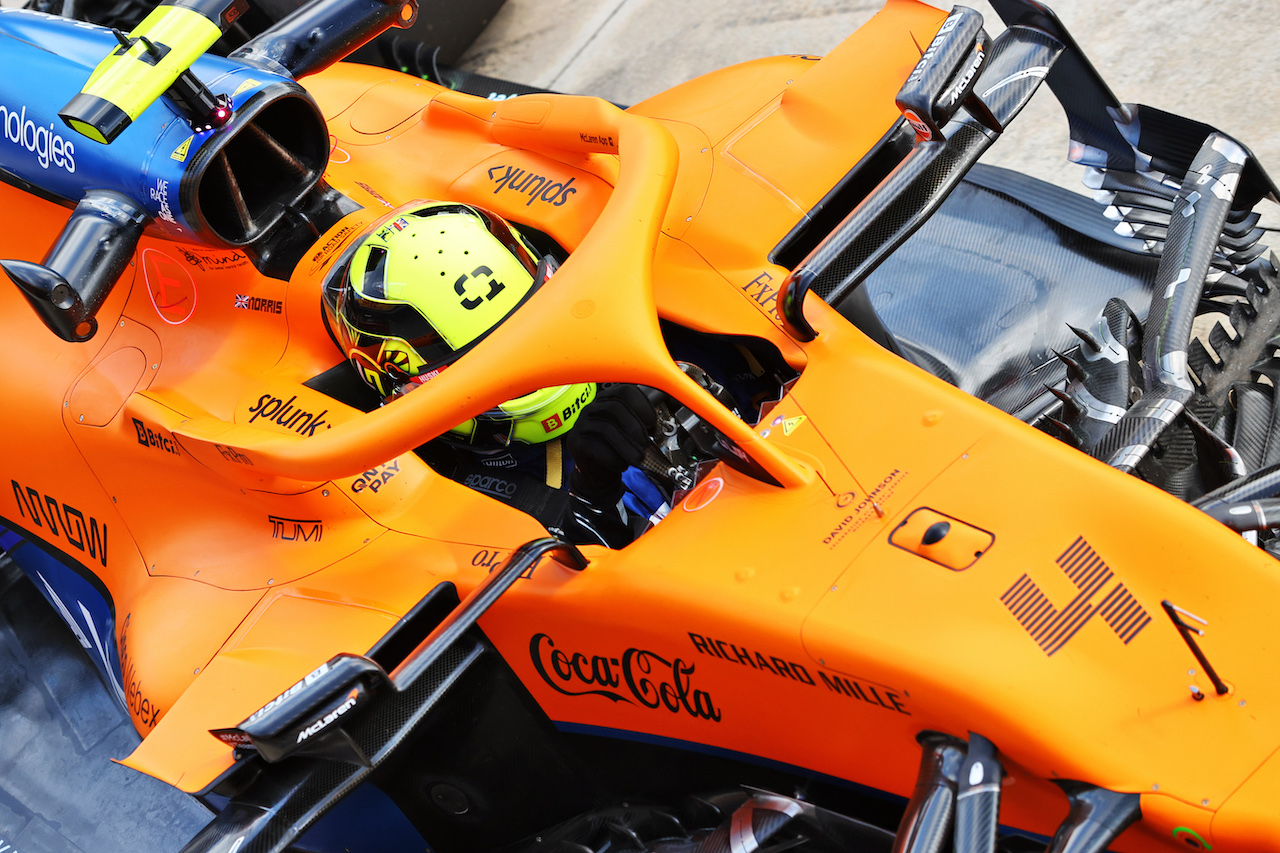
242	301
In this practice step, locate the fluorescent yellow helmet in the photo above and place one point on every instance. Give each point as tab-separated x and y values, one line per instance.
424	285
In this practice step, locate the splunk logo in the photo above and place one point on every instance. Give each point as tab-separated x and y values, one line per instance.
48	146
284	413
536	187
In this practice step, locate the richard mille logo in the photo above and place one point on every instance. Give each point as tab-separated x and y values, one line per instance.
1050	627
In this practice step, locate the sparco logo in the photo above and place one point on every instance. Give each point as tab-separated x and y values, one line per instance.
47	145
148	437
490	485
536	187
650	680
284	413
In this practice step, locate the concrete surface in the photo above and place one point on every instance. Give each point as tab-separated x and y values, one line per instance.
1211	60
1214	61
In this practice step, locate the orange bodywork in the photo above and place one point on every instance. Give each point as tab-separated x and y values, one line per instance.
258	527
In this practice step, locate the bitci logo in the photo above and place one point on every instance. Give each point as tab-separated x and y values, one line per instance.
552	423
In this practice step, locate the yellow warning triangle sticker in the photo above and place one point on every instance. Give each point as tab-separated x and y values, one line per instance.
247	84
180	153
790	424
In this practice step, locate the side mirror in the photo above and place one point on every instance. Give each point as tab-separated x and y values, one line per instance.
307	719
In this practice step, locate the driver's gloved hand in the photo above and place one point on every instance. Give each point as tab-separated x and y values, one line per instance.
611	435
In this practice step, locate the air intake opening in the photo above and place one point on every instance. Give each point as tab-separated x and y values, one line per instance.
268	163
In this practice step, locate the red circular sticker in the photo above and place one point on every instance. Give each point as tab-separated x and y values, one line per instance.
918	125
173	291
703	494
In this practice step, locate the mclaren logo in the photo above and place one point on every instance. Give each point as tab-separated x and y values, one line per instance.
324	722
1051	627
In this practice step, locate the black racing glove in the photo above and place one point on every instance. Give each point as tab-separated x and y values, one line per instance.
612	434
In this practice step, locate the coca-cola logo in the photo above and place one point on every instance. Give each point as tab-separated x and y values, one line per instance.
637	677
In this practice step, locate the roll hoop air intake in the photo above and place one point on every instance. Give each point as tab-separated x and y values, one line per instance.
244	175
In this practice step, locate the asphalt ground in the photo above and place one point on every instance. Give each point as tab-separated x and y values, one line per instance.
1216	62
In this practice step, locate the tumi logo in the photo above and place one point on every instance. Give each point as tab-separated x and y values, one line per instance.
296	529
1050	627
287	415
61	519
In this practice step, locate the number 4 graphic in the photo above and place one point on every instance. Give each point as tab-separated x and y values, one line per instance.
1051	627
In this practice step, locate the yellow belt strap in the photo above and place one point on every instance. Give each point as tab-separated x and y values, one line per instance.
555	464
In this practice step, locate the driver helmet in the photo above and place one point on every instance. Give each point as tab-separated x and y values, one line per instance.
425	284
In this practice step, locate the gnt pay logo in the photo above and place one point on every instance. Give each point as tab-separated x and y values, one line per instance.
376	478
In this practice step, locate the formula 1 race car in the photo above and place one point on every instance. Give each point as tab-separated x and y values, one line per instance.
985	558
